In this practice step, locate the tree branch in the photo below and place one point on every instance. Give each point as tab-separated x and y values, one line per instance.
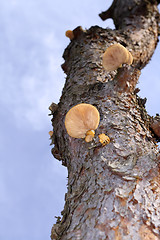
108	13
110	187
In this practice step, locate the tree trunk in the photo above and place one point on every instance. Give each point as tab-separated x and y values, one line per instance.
113	190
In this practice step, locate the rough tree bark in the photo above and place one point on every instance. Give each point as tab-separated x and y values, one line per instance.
113	190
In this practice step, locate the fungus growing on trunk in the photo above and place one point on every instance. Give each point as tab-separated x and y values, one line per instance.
69	34
104	139
50	133
115	56
89	135
81	121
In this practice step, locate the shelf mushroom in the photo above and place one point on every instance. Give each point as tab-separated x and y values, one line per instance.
81	121
115	56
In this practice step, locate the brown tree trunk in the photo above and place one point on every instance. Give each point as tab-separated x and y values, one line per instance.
113	190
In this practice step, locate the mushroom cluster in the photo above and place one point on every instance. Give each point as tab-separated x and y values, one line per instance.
115	56
81	121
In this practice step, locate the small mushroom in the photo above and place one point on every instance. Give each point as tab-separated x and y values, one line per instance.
89	135
81	121
104	139
115	56
69	34
50	133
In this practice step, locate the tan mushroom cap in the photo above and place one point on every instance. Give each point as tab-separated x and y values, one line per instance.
115	56
129	59
80	119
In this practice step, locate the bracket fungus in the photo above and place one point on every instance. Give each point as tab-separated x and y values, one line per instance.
69	34
81	121
115	56
104	139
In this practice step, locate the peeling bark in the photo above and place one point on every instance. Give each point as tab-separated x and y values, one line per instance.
113	190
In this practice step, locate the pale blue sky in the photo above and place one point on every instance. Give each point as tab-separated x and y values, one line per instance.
32	41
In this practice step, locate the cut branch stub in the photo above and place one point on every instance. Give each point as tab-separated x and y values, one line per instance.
155	125
115	56
53	107
81	121
108	13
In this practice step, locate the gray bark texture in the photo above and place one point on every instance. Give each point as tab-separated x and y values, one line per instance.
113	190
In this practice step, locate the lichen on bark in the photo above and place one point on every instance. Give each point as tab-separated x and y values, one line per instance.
113	190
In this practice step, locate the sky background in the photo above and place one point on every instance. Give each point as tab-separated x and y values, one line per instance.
32	41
